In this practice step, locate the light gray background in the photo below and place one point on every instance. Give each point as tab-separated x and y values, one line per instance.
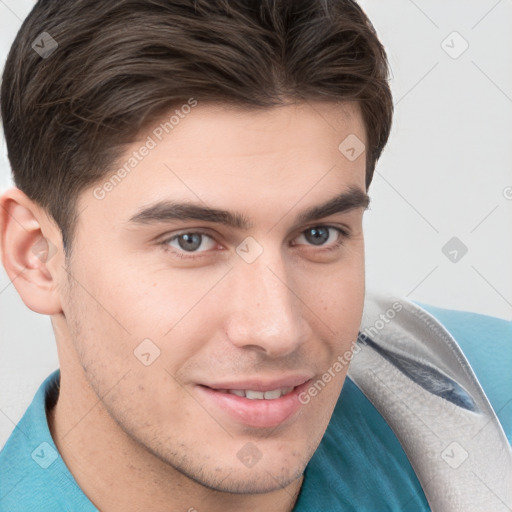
446	172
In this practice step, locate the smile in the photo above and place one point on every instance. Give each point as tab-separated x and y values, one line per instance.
255	404
259	395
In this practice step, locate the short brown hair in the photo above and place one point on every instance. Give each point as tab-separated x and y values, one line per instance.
121	64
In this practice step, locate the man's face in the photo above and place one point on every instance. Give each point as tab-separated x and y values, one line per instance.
181	325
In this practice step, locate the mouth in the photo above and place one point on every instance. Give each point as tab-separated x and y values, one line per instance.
251	394
256	404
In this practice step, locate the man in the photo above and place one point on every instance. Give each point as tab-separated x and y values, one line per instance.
191	220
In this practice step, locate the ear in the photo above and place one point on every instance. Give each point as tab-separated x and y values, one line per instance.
30	245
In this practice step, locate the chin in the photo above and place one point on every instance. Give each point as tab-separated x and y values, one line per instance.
252	481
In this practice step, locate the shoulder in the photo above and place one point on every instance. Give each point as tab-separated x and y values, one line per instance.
360	464
486	341
33	476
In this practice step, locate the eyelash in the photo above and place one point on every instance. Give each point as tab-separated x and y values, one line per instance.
344	234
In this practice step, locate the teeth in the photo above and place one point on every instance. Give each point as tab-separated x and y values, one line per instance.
260	395
254	395
269	395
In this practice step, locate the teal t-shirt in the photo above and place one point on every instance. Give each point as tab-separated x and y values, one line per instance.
359	465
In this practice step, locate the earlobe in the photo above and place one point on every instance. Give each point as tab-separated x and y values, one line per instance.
28	254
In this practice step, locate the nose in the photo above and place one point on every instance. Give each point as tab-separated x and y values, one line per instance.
266	311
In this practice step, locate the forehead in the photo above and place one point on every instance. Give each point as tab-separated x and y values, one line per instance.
237	130
224	155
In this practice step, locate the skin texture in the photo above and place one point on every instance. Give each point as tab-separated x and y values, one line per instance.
143	437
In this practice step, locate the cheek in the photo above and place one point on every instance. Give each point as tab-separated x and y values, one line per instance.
158	298
125	361
335	293
133	335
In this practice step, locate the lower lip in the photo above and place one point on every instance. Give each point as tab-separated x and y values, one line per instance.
256	413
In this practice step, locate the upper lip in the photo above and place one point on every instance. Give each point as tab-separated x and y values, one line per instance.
261	384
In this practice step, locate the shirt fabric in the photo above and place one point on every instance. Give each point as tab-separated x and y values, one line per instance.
358	466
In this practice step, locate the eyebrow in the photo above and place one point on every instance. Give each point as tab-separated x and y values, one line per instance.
164	211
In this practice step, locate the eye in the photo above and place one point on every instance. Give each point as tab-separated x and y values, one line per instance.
190	242
319	235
